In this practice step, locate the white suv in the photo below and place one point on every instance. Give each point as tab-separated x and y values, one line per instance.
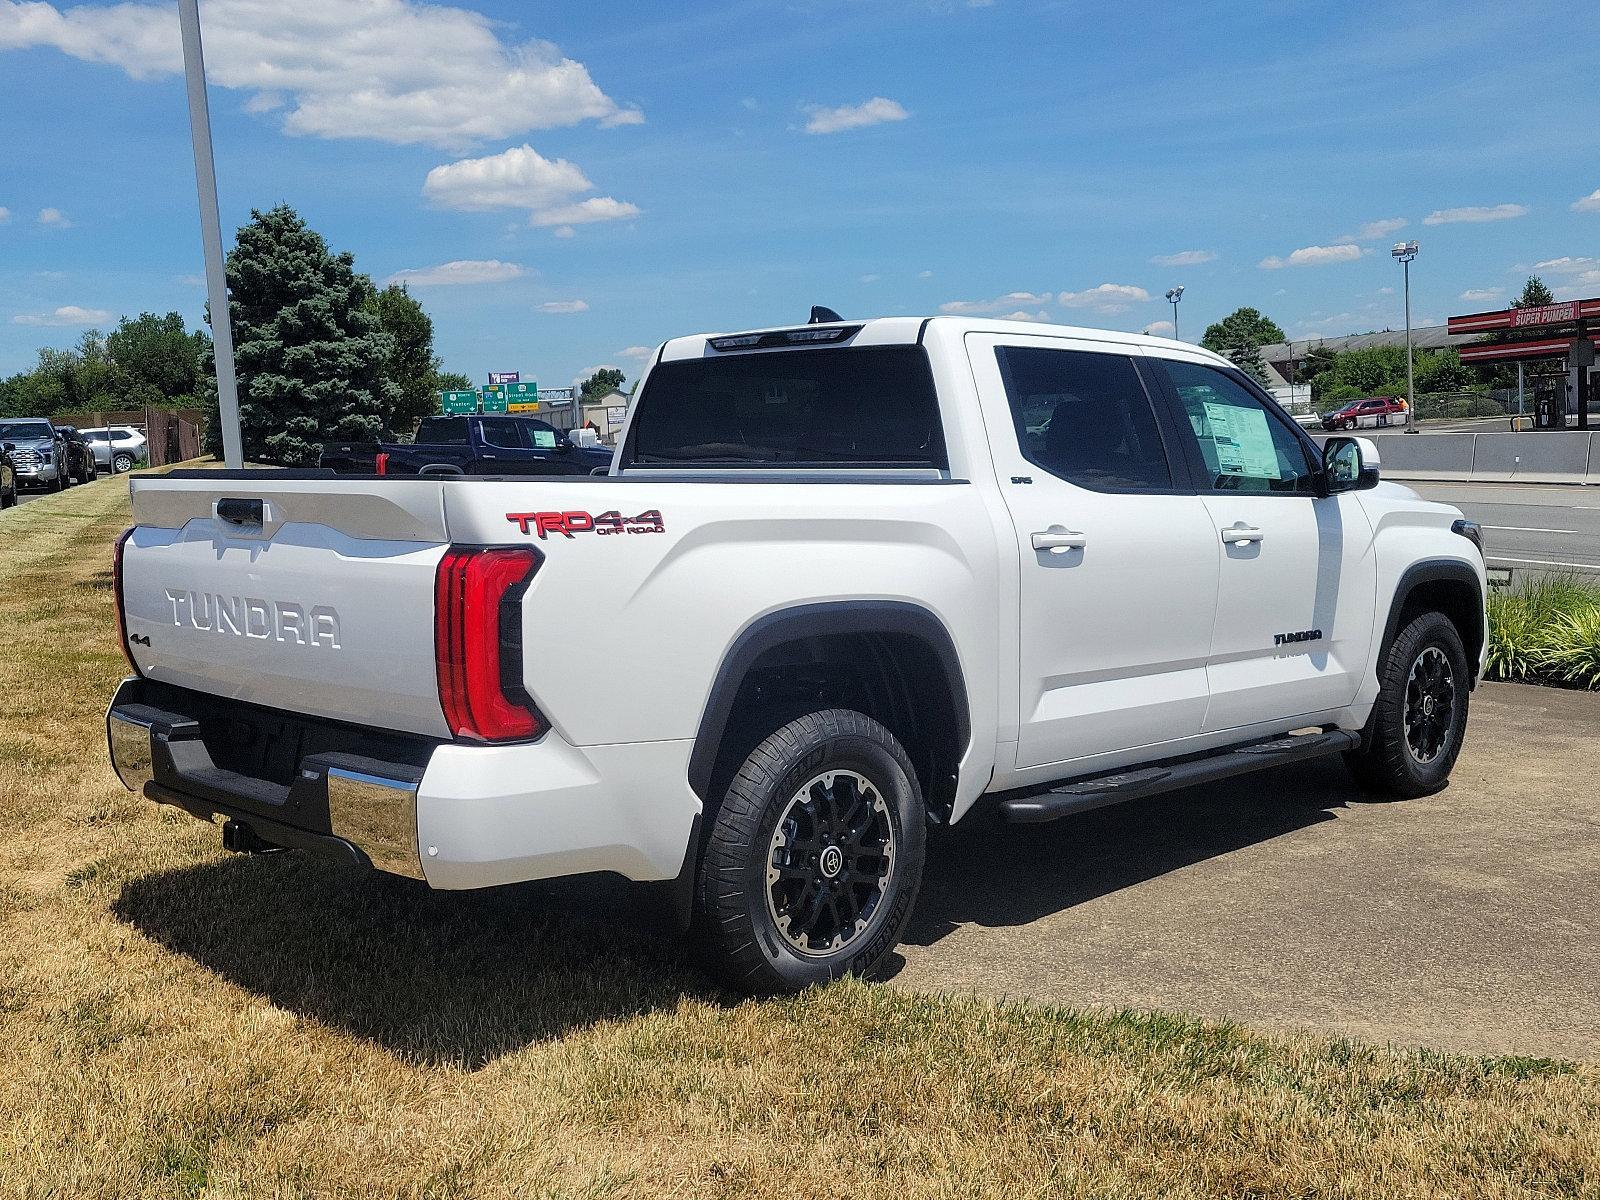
118	448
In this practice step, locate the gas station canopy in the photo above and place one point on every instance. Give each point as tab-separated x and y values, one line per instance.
1573	343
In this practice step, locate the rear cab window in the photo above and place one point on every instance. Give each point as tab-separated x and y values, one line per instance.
837	407
442	431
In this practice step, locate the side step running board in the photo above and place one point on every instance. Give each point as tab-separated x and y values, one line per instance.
1081	795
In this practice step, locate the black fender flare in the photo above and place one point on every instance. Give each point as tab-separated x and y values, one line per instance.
816	620
1428	570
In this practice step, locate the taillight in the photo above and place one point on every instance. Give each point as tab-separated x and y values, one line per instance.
477	623
380	464
116	591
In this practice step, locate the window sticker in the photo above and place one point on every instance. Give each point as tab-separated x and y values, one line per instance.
1244	441
544	439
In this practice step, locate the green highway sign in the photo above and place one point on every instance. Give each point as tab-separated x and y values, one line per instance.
522	397
494	397
458	402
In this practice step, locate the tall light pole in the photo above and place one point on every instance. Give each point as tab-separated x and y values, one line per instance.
1404	252
1175	294
205	180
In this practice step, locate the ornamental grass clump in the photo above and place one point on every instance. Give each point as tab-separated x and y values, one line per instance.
1547	629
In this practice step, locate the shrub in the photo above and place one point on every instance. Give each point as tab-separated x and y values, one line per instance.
1547	628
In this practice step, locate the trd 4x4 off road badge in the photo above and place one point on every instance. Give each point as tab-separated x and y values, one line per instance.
567	524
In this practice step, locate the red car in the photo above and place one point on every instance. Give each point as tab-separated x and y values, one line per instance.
1366	414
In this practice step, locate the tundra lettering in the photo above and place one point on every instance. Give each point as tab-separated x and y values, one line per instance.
251	617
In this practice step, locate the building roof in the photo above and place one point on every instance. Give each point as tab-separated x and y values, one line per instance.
1279	355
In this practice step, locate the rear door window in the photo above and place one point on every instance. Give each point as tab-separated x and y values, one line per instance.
872	406
1085	418
443	431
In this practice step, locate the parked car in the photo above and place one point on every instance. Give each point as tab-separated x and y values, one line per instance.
855	579
484	444
118	448
39	452
8	477
1366	414
81	466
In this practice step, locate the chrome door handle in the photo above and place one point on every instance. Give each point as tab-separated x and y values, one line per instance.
1240	533
1058	540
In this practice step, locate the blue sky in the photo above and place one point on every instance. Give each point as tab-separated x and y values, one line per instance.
606	174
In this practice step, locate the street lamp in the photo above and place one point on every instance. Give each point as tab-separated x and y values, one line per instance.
1404	252
205	179
1175	294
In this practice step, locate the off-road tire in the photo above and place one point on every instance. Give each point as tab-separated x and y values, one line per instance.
734	924
1387	761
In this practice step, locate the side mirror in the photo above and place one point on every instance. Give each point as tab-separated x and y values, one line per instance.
1349	464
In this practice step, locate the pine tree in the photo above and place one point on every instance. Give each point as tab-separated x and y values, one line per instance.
309	352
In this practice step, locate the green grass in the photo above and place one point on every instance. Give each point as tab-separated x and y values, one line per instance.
1546	630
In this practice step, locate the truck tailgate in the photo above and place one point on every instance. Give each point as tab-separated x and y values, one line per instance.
313	595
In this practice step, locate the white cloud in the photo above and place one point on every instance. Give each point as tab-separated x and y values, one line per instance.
972	308
392	70
67	316
1185	258
54	218
854	116
5	214
596	208
636	352
1494	212
1106	298
871	278
1020	315
566	231
520	177
1158	329
1374	231
1567	265
564	306
461	270
924	274
1589	203
1313	256
1475	295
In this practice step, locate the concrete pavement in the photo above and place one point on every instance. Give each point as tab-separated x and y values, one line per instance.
1469	920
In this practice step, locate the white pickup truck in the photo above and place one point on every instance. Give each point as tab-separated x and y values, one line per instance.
851	579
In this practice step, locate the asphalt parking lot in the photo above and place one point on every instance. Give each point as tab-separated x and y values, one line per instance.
1469	920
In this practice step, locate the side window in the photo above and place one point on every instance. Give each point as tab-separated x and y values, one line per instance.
502	432
443	431
1244	446
1084	417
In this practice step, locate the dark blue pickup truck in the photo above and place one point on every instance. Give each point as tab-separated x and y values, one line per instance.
485	444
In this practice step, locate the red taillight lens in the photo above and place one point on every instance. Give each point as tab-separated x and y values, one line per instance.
477	615
380	464
116	591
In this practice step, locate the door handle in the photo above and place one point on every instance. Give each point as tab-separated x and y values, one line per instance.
1058	540
1240	533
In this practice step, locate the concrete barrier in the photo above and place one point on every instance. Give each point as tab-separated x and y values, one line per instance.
1447	456
1532	457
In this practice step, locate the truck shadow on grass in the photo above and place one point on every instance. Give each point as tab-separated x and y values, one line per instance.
989	873
434	977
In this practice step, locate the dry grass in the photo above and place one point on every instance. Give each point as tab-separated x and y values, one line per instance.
174	1022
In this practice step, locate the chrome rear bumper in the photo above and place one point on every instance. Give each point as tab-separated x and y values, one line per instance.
347	805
